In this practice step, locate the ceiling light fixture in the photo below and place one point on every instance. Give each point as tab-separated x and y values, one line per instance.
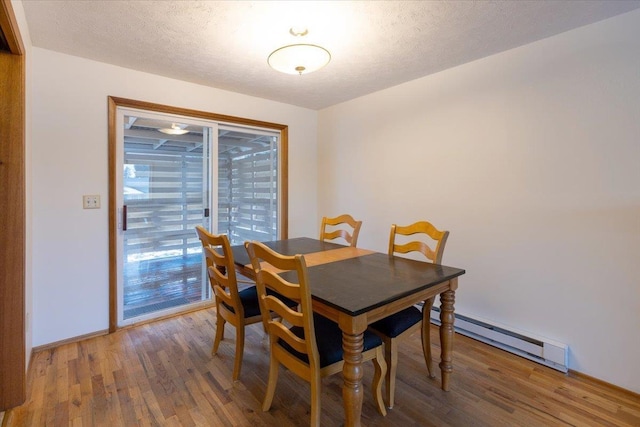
175	129
299	58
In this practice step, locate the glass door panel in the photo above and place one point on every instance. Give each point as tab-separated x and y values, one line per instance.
165	194
248	184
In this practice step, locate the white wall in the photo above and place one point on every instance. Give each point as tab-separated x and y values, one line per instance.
69	139
531	158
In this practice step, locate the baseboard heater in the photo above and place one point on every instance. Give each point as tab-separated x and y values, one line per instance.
540	350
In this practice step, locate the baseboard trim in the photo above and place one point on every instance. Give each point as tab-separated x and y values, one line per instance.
601	383
69	341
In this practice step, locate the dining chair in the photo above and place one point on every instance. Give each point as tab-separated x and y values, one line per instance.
404	323
348	229
238	308
207	240
306	343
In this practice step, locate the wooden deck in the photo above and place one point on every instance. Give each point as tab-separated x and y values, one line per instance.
157	284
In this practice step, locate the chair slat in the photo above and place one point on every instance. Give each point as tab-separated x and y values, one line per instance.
349	234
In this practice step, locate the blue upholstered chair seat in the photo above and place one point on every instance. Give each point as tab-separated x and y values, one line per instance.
329	341
397	323
249	300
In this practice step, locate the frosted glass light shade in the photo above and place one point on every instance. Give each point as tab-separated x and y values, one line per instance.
175	129
299	58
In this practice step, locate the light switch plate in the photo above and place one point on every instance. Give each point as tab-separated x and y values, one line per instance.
91	201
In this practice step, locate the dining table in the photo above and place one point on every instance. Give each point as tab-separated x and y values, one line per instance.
355	287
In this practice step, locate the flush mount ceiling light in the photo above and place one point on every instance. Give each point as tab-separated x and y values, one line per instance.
299	58
175	129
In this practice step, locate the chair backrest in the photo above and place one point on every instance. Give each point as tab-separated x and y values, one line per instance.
267	264
220	268
207	239
350	235
420	227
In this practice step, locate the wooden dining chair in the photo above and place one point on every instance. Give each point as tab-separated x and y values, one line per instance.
348	229
404	323
306	343
207	239
238	308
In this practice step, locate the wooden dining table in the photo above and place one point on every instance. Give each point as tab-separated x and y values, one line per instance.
356	287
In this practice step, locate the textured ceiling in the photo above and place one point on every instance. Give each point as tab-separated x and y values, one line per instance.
373	44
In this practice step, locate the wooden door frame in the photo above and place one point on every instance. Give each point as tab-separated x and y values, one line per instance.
12	214
114	103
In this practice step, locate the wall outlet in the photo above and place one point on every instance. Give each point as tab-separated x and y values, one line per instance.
91	201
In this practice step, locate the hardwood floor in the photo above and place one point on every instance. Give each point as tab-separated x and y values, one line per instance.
162	374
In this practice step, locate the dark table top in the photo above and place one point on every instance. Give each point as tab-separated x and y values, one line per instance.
300	245
357	285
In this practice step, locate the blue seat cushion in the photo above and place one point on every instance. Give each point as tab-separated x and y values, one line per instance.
329	341
249	300
397	323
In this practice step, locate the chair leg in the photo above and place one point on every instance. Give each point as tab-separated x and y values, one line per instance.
271	383
391	357
237	364
219	334
380	366
265	342
316	394
426	336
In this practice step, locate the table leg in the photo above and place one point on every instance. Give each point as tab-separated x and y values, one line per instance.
447	299
426	336
352	374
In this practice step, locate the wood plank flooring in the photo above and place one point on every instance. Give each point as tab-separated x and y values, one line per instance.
162	374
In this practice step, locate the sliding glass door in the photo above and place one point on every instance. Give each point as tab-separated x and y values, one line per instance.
172	174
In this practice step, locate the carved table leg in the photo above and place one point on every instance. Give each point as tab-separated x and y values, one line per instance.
447	299
352	376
